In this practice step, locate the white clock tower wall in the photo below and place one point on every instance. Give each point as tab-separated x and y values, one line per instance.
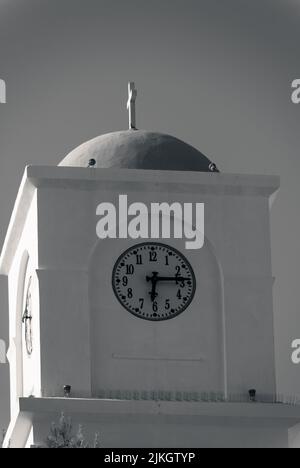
66	234
182	354
245	255
222	342
65	340
24	369
4	366
82	335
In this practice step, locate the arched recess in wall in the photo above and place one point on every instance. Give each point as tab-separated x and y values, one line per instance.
22	280
220	294
117	361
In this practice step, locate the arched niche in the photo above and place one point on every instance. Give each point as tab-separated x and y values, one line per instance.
183	354
23	274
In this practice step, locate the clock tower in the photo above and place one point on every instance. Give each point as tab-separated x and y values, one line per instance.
159	344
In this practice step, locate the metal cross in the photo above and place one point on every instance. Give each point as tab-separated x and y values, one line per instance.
132	94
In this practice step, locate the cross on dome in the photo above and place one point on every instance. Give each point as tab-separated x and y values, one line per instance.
132	95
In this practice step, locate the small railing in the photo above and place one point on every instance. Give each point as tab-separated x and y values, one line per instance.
200	397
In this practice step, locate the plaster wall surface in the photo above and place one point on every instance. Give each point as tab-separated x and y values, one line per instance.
173	432
24	369
4	397
4	367
113	349
122	424
82	335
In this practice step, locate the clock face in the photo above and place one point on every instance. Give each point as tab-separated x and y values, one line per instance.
27	320
154	281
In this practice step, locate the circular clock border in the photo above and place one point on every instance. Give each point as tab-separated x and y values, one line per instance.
157	244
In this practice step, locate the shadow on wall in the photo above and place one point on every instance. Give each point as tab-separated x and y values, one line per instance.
2	352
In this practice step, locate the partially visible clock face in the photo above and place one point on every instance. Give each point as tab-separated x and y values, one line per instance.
27	320
154	281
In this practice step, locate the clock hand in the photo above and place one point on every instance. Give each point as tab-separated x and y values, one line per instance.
171	278
153	279
153	293
26	316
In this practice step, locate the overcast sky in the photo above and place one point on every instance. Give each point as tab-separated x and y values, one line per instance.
215	73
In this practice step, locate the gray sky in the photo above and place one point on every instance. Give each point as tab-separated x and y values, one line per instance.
215	73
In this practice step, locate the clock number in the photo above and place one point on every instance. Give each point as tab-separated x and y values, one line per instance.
168	304
130	293
129	270
142	302
178	273
139	260
153	256
179	295
125	281
155	307
167	260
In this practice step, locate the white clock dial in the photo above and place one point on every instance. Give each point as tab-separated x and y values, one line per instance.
154	281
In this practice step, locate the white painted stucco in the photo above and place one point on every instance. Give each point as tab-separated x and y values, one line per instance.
224	342
127	424
4	366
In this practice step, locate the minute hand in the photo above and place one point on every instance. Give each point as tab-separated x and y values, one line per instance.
171	278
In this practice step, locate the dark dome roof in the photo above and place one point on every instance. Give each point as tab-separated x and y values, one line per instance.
138	149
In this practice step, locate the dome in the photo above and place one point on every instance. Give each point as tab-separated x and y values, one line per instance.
139	149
